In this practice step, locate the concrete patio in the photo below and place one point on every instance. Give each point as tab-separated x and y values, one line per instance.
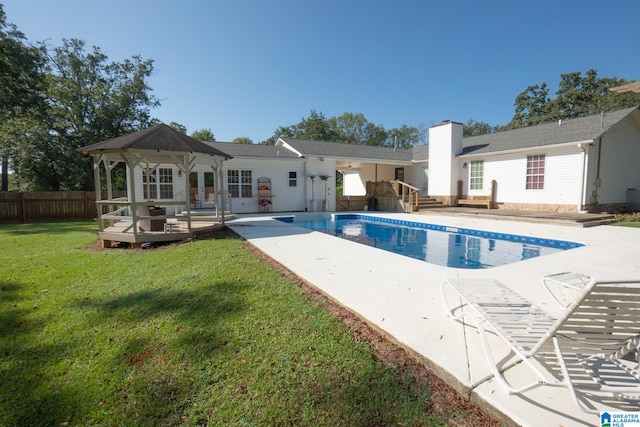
401	297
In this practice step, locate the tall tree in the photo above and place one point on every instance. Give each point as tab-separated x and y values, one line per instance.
404	137
89	100
350	128
21	83
577	96
203	135
315	127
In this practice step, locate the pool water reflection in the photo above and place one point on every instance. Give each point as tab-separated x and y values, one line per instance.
445	246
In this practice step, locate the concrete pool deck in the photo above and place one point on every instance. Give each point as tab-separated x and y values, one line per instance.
400	296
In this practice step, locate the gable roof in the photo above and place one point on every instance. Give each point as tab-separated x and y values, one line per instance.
158	137
341	150
575	130
252	150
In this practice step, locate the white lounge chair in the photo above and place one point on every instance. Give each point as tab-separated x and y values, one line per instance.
594	332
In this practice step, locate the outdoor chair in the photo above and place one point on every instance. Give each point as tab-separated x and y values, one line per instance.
584	349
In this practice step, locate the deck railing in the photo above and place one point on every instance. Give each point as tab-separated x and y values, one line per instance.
408	194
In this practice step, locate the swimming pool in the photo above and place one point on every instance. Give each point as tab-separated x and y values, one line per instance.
447	246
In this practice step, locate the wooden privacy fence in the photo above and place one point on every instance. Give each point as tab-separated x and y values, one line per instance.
48	206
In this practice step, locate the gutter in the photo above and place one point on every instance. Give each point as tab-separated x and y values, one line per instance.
484	154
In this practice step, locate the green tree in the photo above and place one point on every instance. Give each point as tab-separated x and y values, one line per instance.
475	128
204	135
532	107
89	100
315	127
281	132
179	127
404	137
577	96
21	82
350	128
242	140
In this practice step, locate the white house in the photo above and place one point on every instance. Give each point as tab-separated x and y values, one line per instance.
588	163
303	173
583	164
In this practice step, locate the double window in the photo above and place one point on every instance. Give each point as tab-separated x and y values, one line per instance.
157	182
535	172
240	183
476	175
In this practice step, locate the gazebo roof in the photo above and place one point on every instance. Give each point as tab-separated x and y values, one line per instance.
159	137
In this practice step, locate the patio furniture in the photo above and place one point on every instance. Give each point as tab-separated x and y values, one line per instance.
564	287
588	340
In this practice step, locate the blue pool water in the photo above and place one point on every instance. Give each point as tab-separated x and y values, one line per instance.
446	246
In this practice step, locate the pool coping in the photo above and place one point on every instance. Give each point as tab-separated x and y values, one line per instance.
400	296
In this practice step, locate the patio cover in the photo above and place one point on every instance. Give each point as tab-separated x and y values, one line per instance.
629	87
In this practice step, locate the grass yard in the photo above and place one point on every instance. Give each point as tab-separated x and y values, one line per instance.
201	333
628	220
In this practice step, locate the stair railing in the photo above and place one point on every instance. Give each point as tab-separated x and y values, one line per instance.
408	194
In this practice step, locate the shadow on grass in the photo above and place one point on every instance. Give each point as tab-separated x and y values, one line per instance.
127	355
53	228
10	314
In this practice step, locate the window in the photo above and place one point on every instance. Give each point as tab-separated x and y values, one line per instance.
158	181
535	172
293	179
399	174
476	175
239	183
246	184
165	179
233	183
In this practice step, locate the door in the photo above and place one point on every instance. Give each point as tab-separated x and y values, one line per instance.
208	192
194	193
201	190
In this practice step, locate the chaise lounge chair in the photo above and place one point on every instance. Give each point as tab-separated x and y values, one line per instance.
590	339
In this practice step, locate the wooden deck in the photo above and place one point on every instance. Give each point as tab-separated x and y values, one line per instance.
568	219
122	231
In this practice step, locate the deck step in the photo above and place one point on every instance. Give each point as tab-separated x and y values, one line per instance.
426	202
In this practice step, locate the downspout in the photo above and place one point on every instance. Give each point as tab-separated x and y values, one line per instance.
584	157
306	191
596	184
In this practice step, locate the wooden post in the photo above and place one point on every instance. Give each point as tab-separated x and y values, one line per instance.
494	187
23	207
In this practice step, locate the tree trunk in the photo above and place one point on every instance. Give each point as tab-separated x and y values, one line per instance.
5	174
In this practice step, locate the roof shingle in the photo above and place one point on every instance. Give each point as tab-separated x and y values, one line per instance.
581	129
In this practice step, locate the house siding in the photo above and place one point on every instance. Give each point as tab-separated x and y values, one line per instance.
277	170
562	186
618	165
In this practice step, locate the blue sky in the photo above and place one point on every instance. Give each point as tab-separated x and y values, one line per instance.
246	67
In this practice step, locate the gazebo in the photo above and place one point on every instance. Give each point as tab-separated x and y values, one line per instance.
157	206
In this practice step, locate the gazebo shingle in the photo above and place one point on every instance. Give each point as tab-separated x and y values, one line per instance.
159	137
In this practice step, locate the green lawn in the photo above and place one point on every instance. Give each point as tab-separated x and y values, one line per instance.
628	220
202	333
